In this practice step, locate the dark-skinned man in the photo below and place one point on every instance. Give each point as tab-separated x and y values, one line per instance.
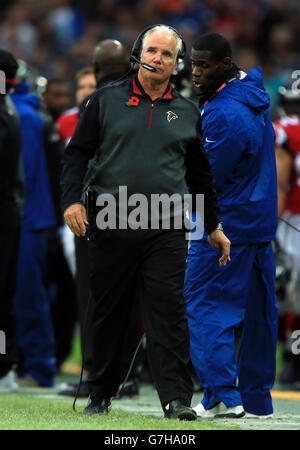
239	140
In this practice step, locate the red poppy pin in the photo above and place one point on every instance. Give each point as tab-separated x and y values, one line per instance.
133	101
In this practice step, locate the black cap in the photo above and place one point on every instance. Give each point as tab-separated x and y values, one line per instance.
9	66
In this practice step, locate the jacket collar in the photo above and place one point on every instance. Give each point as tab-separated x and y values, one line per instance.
232	75
138	90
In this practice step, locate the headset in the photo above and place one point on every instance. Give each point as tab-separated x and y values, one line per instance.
138	45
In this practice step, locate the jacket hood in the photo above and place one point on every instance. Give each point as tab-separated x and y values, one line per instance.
22	90
249	90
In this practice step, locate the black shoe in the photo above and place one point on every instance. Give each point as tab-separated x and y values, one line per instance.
176	410
71	390
97	406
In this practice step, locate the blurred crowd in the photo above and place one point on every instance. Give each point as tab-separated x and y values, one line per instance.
57	37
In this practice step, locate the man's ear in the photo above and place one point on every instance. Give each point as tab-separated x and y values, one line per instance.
174	70
226	63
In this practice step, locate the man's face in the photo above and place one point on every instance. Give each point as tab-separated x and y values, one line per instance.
86	85
57	98
160	52
207	74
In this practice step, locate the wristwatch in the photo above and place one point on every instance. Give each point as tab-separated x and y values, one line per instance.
219	227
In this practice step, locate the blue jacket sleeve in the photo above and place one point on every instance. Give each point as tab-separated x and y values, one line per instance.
225	144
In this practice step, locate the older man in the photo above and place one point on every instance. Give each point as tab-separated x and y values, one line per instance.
142	136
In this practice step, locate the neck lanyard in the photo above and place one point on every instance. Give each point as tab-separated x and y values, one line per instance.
236	77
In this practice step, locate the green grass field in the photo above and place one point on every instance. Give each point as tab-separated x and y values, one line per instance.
36	411
25	412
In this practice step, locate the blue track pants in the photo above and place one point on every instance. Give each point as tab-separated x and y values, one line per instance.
34	325
218	300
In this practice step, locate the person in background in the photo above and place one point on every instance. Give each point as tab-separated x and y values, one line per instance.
110	61
11	206
34	324
61	253
85	85
287	129
66	123
239	141
57	97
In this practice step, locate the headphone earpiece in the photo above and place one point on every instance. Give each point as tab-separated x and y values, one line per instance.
138	44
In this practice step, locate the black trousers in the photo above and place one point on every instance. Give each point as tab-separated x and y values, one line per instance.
83	299
150	264
135	330
9	248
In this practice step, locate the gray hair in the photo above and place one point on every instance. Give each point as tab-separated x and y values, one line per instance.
168	30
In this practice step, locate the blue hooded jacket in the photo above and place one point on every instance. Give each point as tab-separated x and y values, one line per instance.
38	209
239	139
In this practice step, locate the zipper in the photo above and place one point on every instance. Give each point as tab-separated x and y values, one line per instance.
151	111
151	114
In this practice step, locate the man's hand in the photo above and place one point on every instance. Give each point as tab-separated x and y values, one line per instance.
75	217
221	243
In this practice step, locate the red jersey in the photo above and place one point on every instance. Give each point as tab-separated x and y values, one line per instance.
287	130
66	124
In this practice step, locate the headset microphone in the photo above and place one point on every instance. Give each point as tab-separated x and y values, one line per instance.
146	66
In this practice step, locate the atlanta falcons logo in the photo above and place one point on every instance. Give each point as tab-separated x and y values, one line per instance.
171	115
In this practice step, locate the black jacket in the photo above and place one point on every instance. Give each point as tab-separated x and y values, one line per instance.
12	185
125	139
